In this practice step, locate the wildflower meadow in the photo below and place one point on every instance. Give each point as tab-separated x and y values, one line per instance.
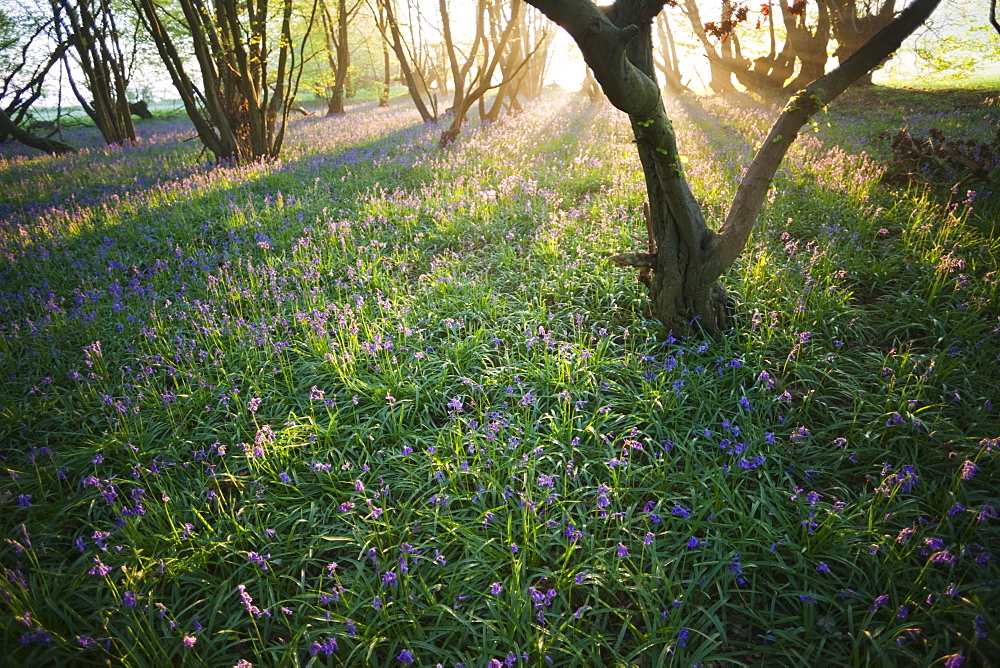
383	403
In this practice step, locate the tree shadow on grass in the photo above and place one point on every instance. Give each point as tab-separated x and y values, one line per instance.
87	256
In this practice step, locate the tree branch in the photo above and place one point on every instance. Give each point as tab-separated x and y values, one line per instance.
734	233
602	44
28	139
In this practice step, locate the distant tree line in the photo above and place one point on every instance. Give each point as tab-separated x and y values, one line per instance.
240	68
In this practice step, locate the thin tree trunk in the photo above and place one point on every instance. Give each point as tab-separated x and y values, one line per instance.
383	97
338	54
395	39
486	77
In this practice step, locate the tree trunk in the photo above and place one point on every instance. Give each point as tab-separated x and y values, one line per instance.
457	75
810	48
90	29
382	24
685	256
395	40
383	95
338	54
8	127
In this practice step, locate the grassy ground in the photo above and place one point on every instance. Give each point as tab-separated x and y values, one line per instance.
381	403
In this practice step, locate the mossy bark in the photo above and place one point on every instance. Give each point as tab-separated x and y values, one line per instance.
685	256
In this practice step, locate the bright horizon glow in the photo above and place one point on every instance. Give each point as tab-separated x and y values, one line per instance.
566	66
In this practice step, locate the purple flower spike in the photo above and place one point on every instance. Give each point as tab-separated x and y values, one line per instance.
879	602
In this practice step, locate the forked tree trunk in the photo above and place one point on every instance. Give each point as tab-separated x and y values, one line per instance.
483	82
241	109
394	38
92	32
688	258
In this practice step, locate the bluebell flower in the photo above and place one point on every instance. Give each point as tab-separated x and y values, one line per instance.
879	602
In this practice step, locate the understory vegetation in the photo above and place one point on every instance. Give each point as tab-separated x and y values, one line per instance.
382	403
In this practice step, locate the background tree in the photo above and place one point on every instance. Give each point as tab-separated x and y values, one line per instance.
501	56
809	44
803	45
381	24
26	59
668	63
689	257
767	74
89	26
409	61
338	51
857	21
719	59
250	70
461	67
764	75
524	66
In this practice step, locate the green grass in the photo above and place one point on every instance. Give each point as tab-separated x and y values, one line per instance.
395	399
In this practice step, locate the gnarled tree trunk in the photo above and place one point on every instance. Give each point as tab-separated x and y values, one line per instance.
855	22
495	52
810	47
689	257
